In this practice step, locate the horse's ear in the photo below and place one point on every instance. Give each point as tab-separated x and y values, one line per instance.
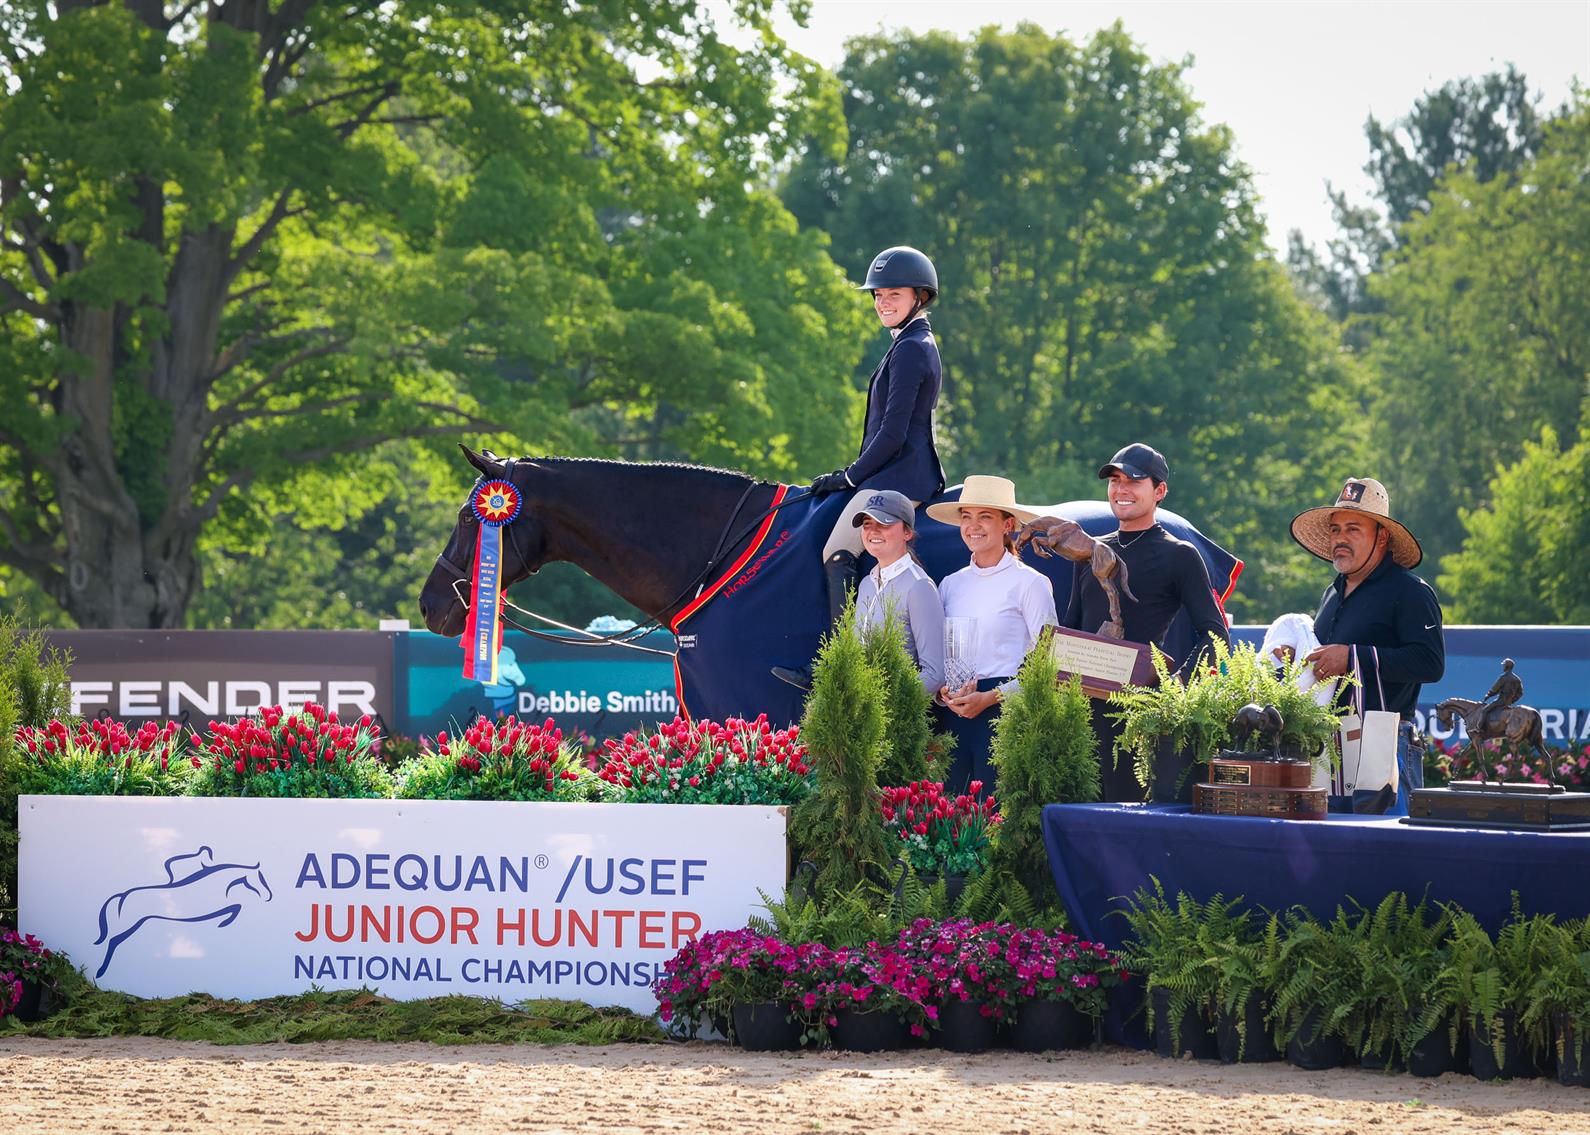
482	462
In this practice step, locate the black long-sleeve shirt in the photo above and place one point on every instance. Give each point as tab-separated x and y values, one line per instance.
1166	575
1397	614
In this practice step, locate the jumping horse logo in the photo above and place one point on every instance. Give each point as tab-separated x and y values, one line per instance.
197	889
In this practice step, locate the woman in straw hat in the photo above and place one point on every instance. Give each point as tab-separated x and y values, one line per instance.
1001	605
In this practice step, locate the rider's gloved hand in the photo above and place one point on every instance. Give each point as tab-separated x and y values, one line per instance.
834	482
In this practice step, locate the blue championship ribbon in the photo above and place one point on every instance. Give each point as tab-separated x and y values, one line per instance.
495	504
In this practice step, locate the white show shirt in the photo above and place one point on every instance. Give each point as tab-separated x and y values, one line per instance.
1012	604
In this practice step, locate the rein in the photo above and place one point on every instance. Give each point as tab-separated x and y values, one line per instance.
626	638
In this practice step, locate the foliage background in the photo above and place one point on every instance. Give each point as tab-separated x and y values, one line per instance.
257	280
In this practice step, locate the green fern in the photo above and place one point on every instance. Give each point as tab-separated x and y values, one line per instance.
1195	716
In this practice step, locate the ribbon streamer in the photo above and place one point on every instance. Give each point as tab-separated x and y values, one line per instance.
496	504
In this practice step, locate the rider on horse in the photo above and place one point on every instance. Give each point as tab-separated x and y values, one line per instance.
1506	690
897	450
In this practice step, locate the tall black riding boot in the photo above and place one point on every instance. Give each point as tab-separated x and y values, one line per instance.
840	572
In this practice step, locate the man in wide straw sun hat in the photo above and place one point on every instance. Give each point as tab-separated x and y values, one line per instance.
1376	610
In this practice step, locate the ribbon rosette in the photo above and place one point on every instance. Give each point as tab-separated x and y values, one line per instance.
495	504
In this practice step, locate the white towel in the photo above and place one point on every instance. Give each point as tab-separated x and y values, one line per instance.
1297	632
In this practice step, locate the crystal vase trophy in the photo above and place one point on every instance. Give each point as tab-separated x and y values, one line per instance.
960	644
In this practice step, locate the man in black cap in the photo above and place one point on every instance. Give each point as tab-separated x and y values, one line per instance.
1165	575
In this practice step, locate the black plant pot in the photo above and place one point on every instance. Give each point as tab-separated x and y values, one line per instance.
1260	1047
1175	773
30	1008
1571	1069
765	1027
1311	1051
1044	1025
1195	1037
1434	1056
964	1028
1516	1063
953	886
855	1031
1379	1061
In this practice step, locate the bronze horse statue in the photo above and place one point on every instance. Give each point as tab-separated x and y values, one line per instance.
1051	535
655	533
1514	724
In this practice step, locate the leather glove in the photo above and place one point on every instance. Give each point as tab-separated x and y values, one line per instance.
830	483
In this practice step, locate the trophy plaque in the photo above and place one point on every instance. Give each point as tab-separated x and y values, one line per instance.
1103	664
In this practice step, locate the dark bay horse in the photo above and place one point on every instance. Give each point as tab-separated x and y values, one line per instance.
654	532
643	530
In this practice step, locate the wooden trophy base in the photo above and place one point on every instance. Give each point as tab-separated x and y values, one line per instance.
1251	784
1509	807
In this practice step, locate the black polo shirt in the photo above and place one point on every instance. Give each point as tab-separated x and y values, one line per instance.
1166	575
1396	613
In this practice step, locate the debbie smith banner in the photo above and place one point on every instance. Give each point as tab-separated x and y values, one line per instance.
251	898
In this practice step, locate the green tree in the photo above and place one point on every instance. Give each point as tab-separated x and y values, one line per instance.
1105	277
1044	753
907	705
1484	336
1522	559
1486	127
839	826
241	244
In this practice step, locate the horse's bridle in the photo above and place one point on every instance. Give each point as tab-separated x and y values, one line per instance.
626	638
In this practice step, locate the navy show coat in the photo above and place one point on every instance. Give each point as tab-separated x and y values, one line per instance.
897	450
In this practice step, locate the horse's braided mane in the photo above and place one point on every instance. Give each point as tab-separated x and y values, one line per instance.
616	463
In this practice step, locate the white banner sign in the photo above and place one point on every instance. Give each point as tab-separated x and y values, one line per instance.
162	896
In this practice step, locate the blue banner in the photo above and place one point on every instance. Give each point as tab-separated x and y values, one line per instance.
1553	662
602	691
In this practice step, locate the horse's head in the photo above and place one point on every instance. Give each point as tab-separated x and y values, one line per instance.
447	588
1443	713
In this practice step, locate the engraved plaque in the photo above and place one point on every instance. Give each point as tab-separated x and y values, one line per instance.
1103	664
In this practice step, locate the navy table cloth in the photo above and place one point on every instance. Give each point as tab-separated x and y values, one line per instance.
1101	853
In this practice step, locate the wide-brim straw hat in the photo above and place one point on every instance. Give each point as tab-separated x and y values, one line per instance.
1310	527
983	492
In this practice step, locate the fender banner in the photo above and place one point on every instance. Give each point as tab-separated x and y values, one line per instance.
160	897
201	676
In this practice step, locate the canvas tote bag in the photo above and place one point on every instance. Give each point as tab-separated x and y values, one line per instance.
1367	779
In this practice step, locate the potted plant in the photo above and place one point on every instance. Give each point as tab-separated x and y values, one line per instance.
941	836
1179	979
505	759
707	762
967	976
1242	958
99	758
1043	753
1491	982
1399	1011
1560	996
1062	986
1314	990
762	989
1172	728
276	752
28	970
871	999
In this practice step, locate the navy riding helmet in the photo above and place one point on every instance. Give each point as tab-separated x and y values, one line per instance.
902	267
